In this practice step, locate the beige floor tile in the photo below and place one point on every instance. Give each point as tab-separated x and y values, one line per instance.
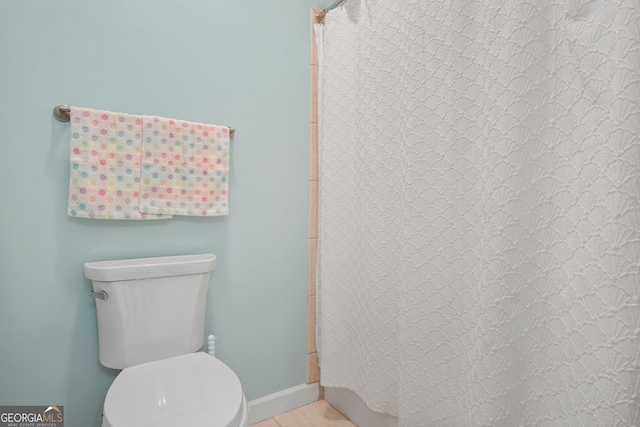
267	423
317	414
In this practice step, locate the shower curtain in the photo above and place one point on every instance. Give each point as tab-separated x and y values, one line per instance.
479	214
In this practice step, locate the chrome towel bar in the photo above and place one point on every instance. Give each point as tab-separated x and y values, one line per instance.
62	113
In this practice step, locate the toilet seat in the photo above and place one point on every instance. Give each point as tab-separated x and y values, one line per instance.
189	390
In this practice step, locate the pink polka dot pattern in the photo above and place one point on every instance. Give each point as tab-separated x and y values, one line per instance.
185	168
105	151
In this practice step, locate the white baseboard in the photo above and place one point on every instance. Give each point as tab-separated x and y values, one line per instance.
282	401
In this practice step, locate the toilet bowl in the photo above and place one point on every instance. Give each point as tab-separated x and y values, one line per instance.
151	325
190	390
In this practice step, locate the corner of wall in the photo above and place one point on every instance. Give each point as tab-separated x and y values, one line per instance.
313	370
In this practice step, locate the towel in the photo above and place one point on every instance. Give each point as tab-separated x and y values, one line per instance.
185	168
105	151
125	166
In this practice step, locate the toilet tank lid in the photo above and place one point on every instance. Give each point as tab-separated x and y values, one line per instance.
147	268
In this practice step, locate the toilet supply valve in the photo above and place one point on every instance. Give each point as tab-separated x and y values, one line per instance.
212	345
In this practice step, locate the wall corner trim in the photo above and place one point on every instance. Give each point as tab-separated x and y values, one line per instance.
282	401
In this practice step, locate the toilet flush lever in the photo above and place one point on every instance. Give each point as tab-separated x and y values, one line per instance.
100	295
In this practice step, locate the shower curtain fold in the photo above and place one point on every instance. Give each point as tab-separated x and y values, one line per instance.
479	210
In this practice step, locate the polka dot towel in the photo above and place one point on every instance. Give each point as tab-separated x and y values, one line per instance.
140	167
185	168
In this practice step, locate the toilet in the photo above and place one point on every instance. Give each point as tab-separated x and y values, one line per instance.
151	326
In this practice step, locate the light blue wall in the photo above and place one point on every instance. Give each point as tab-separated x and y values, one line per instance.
236	62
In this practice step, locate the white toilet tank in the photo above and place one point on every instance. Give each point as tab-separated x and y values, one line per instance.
154	307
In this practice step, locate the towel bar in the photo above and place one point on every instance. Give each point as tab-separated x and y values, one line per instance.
63	113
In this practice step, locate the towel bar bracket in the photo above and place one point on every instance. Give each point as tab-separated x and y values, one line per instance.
62	113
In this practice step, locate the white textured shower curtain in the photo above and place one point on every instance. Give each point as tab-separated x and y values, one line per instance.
479	241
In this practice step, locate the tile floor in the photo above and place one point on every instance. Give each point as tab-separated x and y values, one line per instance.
316	414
